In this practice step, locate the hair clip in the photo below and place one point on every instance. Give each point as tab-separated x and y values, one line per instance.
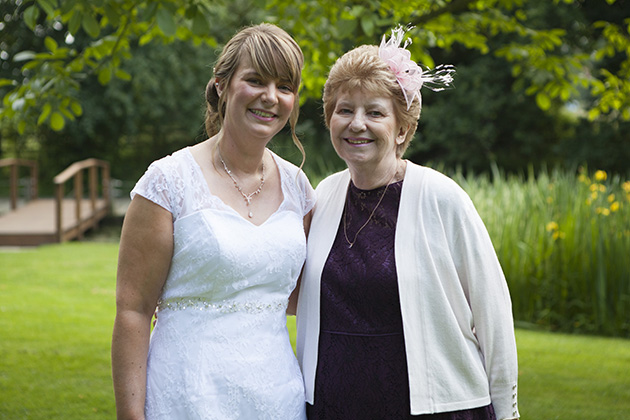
411	77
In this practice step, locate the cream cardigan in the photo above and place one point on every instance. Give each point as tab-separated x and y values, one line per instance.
456	307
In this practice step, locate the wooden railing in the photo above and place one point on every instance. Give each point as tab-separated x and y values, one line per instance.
75	172
14	165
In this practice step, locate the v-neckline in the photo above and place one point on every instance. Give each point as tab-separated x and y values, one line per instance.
199	173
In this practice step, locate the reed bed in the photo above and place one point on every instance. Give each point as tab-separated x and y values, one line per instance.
563	240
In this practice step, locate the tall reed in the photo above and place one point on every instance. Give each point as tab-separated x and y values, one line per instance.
563	240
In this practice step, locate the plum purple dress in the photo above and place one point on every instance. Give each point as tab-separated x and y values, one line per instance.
362	364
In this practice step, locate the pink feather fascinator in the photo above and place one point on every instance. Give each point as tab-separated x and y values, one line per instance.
411	77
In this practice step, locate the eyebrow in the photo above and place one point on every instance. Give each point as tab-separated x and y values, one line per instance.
367	105
255	73
251	72
344	103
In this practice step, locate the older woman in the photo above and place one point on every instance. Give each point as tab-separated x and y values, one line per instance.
214	236
404	310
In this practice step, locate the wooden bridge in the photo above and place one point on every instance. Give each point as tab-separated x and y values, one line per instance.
48	220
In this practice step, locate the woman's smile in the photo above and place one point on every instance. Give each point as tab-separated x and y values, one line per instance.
263	115
358	140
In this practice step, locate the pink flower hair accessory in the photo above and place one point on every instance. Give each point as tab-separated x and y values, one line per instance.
411	77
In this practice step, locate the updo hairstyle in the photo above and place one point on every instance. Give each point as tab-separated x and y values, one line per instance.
272	53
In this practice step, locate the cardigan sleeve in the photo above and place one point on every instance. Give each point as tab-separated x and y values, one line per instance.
486	290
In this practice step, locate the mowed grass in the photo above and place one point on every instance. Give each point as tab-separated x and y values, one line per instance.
573	377
56	316
57	310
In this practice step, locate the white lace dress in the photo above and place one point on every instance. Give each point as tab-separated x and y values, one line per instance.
220	349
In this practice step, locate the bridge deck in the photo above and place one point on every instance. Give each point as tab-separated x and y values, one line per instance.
34	222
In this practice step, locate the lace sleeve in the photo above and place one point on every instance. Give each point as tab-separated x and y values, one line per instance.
302	195
308	193
153	185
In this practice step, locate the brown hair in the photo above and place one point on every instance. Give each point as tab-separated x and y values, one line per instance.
362	68
273	54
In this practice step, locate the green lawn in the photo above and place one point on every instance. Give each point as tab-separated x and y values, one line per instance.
573	377
56	315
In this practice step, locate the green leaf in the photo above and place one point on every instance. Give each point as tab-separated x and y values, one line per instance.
30	16
75	22
357	11
21	127
112	15
200	25
593	114
543	101
517	69
346	27
51	44
367	24
149	12
104	75
49	6
56	121
76	108
145	39
90	25
191	12
123	75
5	82
44	115
166	22
31	65
76	65
69	115
67	6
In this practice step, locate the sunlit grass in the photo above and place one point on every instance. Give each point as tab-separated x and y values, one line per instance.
573	377
56	315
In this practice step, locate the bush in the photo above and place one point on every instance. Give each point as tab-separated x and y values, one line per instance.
563	240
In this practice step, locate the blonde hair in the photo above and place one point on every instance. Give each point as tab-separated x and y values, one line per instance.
273	54
362	68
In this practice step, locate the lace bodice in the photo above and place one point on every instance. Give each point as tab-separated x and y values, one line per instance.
218	255
220	348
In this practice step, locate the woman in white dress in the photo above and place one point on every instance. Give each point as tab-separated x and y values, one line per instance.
215	237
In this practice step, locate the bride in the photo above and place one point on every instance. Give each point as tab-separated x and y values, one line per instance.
215	237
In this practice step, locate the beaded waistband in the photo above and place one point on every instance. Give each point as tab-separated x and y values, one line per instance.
224	306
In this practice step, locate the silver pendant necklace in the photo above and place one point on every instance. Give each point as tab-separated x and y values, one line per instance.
246	197
345	233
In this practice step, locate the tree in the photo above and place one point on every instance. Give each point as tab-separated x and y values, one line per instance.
45	92
489	118
46	89
127	122
538	55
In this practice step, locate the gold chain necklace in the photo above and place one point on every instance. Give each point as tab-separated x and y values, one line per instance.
369	218
246	197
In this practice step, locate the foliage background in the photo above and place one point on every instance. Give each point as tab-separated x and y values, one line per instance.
542	83
542	90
